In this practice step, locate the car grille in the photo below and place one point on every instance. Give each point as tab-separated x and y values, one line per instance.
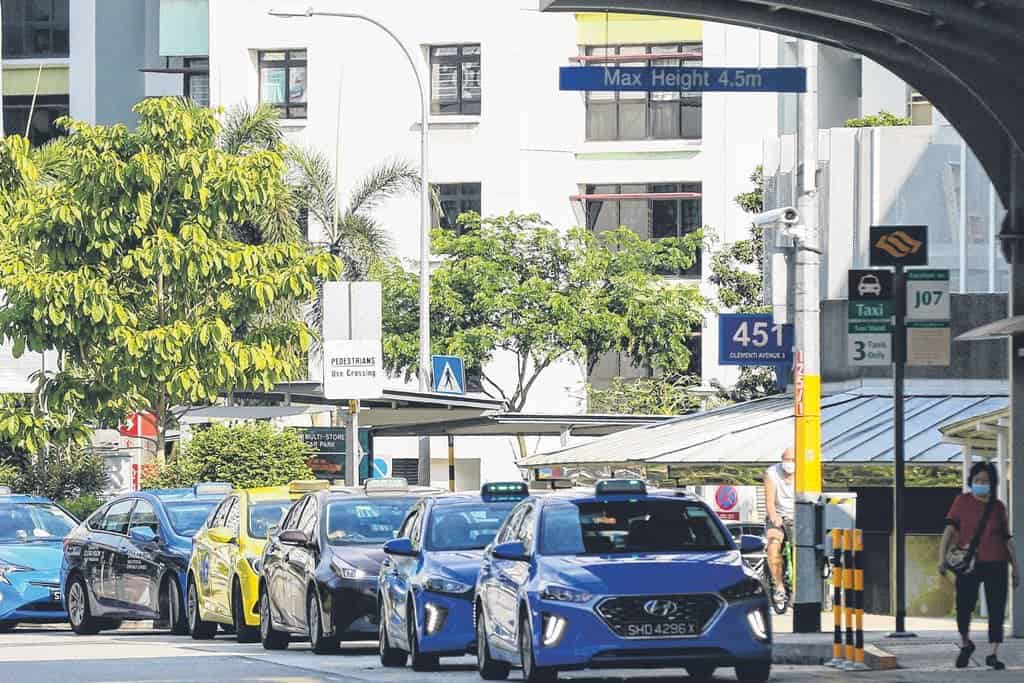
674	615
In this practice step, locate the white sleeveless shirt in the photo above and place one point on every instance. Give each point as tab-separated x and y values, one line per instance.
784	497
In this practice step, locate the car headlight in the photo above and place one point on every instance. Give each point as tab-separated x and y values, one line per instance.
441	585
255	562
745	589
7	568
345	570
563	594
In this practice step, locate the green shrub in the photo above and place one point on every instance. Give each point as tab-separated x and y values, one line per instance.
61	474
83	506
882	119
244	455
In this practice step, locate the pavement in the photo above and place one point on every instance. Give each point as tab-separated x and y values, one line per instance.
140	654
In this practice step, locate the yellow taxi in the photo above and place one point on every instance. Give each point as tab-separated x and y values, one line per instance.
224	570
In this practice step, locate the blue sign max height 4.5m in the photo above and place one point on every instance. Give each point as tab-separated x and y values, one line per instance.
682	79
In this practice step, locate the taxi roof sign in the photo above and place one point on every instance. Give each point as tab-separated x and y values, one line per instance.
610	486
386	485
5	490
212	488
308	485
504	491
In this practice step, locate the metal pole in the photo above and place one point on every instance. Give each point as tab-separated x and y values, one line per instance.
451	463
424	356
808	594
352	445
1	73
899	353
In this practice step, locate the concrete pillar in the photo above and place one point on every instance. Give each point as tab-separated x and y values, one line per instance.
968	455
1002	460
1014	250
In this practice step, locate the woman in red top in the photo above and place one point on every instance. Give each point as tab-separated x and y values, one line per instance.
995	553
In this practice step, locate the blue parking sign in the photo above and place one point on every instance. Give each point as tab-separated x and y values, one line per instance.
753	339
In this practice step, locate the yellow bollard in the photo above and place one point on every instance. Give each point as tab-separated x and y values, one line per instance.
837	598
848	591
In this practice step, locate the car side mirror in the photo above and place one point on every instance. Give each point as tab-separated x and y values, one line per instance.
222	534
751	544
142	534
293	537
401	547
272	530
513	550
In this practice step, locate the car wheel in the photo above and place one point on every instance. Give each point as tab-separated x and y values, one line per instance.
8	626
243	632
271	638
200	629
419	661
757	671
489	668
177	617
701	672
320	644
532	672
389	656
79	613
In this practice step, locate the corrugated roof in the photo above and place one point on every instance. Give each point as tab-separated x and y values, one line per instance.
856	429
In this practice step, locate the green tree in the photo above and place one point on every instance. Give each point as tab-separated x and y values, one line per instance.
130	268
654	396
737	272
881	119
515	285
245	456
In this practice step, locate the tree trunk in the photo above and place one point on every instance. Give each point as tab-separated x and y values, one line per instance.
161	427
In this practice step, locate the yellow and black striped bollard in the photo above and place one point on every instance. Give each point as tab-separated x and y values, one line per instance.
837	598
857	664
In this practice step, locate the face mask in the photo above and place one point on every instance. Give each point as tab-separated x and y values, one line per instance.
981	489
789	467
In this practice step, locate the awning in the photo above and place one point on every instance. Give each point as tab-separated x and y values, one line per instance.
980	433
1008	327
856	429
202	415
526	424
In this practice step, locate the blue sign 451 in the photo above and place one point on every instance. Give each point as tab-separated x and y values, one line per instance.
753	339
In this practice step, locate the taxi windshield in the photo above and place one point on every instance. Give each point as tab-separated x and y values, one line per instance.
626	527
34	522
466	527
265	514
365	521
187	517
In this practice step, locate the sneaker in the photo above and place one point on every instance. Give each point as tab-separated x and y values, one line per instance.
994	663
965	656
780	597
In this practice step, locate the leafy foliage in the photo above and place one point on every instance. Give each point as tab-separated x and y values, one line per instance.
644	397
837	477
244	455
513	284
881	119
129	267
82	506
66	473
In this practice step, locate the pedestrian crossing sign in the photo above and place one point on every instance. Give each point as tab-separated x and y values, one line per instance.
449	375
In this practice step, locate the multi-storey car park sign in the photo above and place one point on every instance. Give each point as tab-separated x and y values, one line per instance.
682	79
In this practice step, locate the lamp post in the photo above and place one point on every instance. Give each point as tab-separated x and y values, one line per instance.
424	373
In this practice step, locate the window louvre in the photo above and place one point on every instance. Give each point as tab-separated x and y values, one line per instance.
455	85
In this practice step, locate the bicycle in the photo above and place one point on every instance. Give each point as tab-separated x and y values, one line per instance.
788	563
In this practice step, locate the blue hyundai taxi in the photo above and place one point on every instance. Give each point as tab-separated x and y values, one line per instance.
617	578
128	560
426	583
32	531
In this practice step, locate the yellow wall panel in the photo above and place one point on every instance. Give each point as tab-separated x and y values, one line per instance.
598	28
52	81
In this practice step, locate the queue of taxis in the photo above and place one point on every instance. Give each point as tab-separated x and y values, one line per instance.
224	570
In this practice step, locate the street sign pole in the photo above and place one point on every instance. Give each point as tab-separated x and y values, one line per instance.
899	478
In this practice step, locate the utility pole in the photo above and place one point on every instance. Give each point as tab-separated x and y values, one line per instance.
807	325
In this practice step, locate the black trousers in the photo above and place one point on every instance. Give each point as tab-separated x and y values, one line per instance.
995	576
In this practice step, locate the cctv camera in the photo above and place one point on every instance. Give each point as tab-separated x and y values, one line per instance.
785	216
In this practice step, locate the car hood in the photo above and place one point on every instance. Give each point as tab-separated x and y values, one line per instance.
644	573
42	556
367	559
461	565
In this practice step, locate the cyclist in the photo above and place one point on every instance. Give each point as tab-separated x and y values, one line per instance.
779	506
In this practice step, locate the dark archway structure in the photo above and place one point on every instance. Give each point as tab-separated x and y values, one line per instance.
965	56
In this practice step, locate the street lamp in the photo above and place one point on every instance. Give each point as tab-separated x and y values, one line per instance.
424	376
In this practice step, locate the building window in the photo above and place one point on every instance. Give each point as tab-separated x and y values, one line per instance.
654	211
455	79
642	115
920	110
197	80
35	28
455	199
283	82
48	108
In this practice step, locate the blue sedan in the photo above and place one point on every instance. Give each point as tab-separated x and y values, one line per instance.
129	559
619	578
426	582
32	530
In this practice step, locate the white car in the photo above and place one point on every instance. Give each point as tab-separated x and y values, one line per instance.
869	284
